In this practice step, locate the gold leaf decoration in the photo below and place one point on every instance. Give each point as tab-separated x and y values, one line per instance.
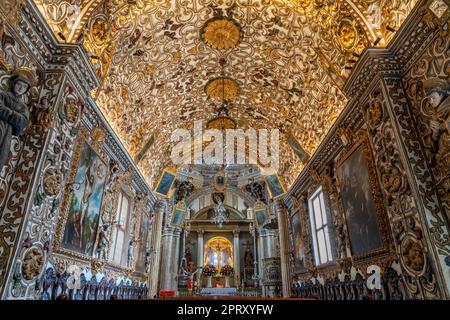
222	88
221	33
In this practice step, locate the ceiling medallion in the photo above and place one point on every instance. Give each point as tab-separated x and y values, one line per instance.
347	34
222	88
221	33
222	121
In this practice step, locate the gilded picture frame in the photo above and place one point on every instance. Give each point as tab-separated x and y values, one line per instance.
178	214
67	200
165	183
375	212
275	186
261	214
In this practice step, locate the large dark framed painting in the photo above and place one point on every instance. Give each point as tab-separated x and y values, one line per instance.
362	204
85	203
299	248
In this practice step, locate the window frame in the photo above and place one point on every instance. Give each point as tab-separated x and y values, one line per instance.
324	231
119	229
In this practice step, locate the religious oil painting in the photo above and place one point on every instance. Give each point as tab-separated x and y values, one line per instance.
297	148
275	186
177	218
299	249
261	217
359	207
165	183
84	210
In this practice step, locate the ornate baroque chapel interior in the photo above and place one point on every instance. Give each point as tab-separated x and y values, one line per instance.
114	182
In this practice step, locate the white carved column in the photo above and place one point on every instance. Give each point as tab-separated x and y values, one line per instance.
170	250
176	256
237	269
200	248
260	250
156	252
284	247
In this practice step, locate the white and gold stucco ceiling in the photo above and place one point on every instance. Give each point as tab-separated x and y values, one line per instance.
289	62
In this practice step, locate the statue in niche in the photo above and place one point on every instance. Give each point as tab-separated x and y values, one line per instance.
187	273
255	189
114	170
130	257
103	241
248	257
340	239
14	114
189	262
184	189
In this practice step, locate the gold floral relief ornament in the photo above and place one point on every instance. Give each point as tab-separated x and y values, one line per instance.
52	181
374	113
391	179
33	262
347	34
42	116
222	88
11	10
100	30
98	137
413	255
97	266
71	110
221	33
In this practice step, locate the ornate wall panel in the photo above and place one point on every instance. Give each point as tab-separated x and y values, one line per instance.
418	271
37	177
390	87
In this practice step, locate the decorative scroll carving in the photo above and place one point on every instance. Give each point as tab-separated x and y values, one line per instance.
401	208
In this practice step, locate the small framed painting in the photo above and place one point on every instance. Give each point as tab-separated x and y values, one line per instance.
261	214
165	183
274	185
178	215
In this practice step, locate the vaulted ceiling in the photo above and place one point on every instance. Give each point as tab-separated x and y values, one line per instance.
289	61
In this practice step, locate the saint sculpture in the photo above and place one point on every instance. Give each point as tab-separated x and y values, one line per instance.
14	114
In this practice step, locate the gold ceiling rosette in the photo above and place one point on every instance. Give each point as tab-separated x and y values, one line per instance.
221	33
222	88
221	123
